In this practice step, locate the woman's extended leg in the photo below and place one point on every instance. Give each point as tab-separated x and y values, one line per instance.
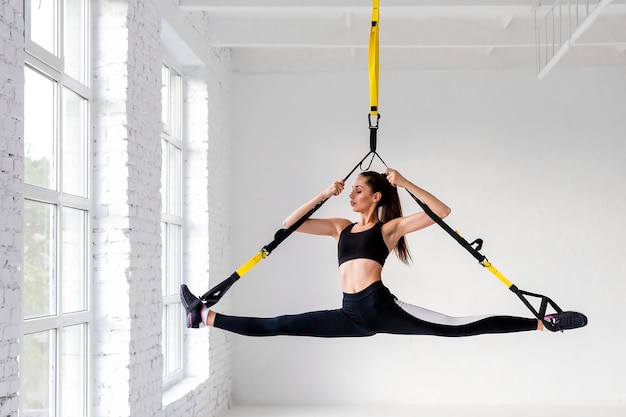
326	323
438	324
382	312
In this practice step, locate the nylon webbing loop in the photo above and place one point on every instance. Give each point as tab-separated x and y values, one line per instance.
373	60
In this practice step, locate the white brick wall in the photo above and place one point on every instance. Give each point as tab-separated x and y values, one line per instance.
126	247
126	221
11	203
126	215
219	148
219	193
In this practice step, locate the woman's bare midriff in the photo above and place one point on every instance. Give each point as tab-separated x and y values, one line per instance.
358	274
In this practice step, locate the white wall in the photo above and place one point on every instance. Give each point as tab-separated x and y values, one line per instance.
535	168
11	204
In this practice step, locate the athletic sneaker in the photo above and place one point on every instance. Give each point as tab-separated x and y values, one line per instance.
565	321
193	306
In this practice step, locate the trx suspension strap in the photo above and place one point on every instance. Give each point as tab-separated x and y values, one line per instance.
373	49
214	294
474	249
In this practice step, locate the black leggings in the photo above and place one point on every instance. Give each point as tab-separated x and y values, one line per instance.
373	310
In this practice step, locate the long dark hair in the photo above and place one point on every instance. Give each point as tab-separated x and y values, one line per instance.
389	205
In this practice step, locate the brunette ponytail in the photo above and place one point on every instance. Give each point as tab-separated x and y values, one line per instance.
390	207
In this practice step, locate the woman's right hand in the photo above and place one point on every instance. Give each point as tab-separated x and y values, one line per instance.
334	189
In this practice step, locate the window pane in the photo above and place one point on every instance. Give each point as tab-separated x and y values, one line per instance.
174	194
74	144
173	326
39	129
38	374
39	259
164	341
163	257
73	255
174	256
175	105
43	24
165	97
164	184
75	39
73	372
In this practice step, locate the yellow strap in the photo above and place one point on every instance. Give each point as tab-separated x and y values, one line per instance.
373	60
497	273
251	263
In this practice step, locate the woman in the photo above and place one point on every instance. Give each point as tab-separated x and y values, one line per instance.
368	306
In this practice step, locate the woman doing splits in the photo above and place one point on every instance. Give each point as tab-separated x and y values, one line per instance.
368	306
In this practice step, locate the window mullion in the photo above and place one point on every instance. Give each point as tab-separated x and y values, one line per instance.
59	366
44	195
45	65
59	123
69	200
40	54
61	33
58	321
41	324
178	142
171	219
77	87
171	299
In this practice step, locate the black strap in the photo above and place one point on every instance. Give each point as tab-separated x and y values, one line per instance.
214	294
283	234
474	249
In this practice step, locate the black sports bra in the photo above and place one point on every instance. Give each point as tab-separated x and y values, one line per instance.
368	244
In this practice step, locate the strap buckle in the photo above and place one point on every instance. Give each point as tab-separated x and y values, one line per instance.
373	119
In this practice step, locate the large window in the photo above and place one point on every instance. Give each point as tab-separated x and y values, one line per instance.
172	222
56	305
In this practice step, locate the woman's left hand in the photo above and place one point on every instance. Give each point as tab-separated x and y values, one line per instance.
395	178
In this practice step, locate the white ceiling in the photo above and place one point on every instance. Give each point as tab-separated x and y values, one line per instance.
333	35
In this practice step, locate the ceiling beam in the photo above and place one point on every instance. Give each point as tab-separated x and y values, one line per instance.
577	34
298	35
213	5
428	28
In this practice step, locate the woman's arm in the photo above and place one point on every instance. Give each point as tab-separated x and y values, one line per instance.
437	206
411	223
330	227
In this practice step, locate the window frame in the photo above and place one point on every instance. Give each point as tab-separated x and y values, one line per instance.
52	66
172	138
